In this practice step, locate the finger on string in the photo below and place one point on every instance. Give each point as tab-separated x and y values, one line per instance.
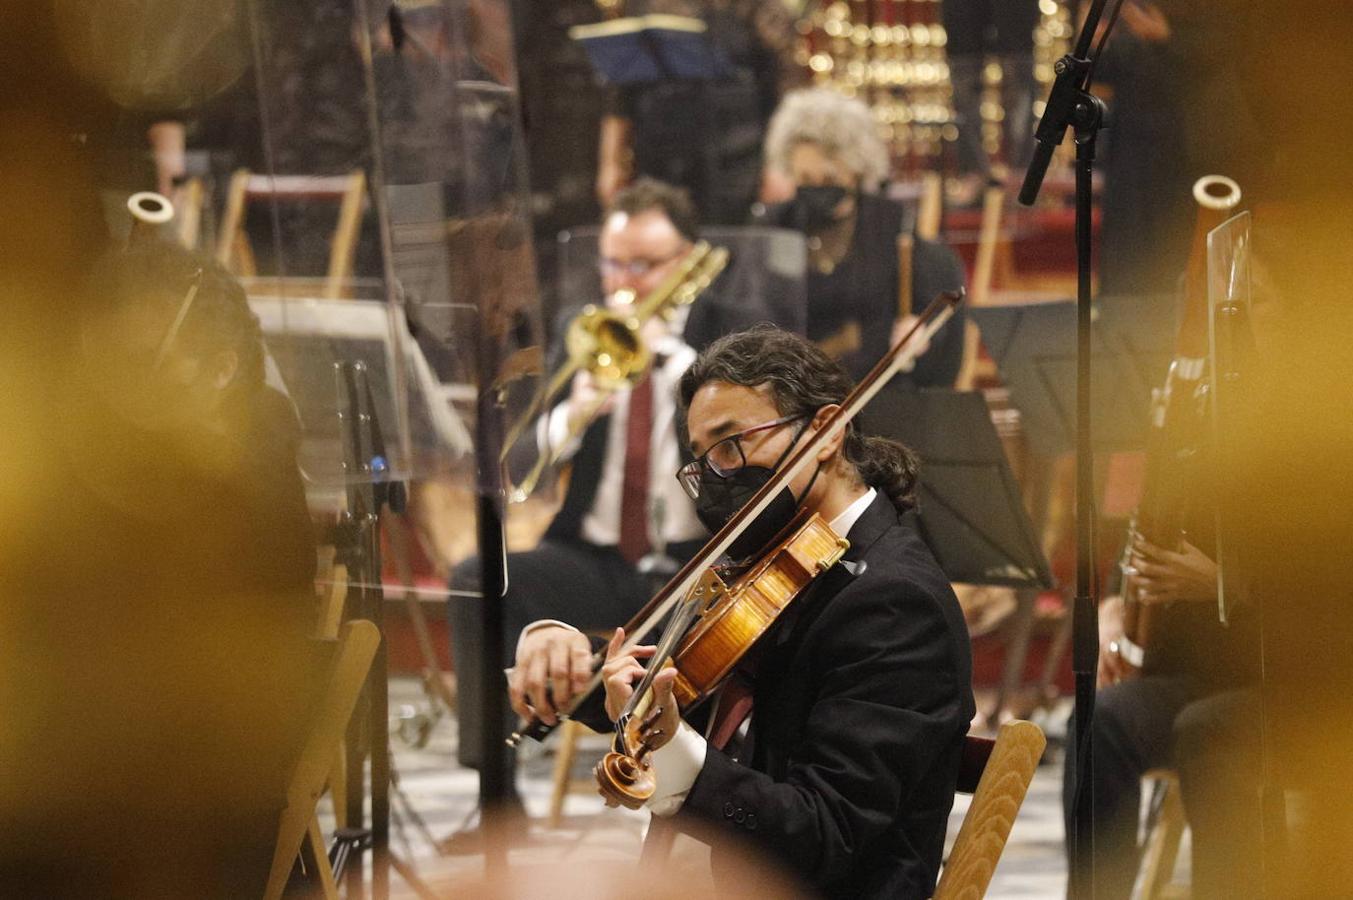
625	674
618	664
662	687
613	646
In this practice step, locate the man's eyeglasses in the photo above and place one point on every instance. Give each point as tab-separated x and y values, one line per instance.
724	458
634	268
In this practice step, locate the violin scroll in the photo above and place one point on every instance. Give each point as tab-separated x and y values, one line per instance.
624	780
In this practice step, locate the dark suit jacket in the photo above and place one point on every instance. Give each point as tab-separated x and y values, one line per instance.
588	464
863	289
862	703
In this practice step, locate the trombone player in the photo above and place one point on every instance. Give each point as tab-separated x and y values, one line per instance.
623	513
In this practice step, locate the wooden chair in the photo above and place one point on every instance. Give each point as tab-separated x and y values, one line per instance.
564	782
997	774
930	207
298	829
233	250
1162	839
332	605
188	202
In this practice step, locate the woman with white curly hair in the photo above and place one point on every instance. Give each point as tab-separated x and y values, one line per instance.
828	146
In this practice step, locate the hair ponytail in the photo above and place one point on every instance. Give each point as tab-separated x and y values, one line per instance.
802	380
886	465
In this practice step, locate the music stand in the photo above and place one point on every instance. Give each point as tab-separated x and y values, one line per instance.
1034	346
307	336
970	509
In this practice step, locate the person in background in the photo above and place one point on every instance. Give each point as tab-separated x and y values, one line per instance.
829	147
704	136
1177	113
1184	710
1003	29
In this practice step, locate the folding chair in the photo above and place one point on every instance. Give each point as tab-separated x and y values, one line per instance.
1162	839
357	642
997	774
233	250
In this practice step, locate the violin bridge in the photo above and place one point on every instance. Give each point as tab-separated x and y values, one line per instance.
708	590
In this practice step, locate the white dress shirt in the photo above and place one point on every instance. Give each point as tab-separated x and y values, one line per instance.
677	763
671	514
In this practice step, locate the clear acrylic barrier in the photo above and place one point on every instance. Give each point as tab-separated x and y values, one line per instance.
360	168
1230	345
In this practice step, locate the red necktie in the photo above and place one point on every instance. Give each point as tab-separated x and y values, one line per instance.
634	491
735	705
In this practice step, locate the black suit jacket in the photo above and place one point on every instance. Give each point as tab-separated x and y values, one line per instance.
862	702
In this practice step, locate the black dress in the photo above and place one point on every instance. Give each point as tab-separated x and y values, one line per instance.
863	289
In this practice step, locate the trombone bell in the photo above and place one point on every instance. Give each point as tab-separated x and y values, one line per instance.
608	346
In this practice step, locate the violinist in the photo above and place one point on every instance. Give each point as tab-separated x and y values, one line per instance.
860	699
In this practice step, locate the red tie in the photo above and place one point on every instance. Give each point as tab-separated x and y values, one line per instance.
735	705
634	491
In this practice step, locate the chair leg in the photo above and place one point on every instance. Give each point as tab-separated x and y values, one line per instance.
563	769
324	873
1016	654
343	247
338	785
1162	844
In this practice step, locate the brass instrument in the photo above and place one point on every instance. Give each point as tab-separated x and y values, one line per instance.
608	345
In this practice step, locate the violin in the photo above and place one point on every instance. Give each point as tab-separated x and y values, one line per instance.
728	620
715	624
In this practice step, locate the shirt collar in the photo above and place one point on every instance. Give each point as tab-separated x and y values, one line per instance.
851	514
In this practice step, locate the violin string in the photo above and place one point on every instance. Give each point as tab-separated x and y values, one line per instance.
676	627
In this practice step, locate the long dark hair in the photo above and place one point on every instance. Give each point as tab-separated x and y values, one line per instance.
802	379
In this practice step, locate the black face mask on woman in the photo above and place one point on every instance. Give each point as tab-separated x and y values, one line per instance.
720	499
813	208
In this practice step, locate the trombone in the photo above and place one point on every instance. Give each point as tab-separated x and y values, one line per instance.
609	346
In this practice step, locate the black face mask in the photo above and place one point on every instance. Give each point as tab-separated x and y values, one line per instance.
814	206
721	498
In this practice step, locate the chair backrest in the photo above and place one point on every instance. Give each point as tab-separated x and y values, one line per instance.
997	773
357	642
349	191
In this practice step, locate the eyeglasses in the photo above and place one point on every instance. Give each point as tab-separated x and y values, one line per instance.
635	268
724	458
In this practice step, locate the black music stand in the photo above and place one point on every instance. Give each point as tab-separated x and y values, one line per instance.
1034	347
971	512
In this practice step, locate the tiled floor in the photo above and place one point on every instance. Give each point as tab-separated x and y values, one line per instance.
436	793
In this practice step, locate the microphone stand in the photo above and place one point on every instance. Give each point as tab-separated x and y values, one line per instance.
1071	105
